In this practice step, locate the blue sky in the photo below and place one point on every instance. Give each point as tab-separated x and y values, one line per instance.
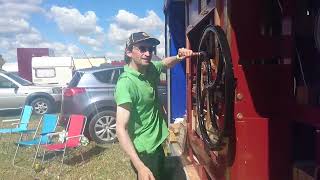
69	27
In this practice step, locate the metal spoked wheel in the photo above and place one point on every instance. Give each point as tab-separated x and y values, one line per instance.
106	127
102	127
41	106
215	87
317	30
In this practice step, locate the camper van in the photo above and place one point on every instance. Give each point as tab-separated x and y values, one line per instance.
52	70
59	70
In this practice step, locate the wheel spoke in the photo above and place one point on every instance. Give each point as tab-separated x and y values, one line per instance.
100	123
113	126
108	134
112	134
100	131
110	120
103	134
98	126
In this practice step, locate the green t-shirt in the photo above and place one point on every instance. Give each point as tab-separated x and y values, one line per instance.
147	128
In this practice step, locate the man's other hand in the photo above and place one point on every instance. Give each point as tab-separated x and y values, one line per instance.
144	173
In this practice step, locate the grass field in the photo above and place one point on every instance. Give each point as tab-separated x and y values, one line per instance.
107	162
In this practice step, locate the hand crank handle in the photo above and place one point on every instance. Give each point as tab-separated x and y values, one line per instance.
201	53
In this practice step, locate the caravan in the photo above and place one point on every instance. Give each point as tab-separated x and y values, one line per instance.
59	70
52	70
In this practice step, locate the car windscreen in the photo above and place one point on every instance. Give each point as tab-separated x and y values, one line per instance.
19	79
75	79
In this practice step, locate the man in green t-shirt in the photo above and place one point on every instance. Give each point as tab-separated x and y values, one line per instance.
141	127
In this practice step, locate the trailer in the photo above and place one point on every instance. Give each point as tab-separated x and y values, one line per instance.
59	70
52	70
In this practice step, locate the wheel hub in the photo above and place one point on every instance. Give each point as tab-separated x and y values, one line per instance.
41	107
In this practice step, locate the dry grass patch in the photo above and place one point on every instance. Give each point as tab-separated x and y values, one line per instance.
101	162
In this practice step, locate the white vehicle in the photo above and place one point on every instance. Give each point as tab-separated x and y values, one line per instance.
15	92
59	70
52	70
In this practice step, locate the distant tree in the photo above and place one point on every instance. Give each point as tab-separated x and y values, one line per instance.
2	61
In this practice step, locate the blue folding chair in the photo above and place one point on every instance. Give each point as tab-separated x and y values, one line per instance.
49	124
23	122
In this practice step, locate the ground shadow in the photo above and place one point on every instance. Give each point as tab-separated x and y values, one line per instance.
73	156
9	113
87	155
174	169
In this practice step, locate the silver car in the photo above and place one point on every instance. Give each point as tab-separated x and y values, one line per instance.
90	92
15	92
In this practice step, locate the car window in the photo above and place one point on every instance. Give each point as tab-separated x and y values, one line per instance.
19	79
75	79
45	72
105	76
116	75
5	83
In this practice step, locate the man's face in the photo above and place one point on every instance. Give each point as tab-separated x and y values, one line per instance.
141	54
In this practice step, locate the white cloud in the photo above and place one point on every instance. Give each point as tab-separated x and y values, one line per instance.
126	23
152	22
34	40
161	46
12	26
29	39
4	42
70	20
15	30
19	8
90	41
62	49
14	15
118	35
126	19
114	56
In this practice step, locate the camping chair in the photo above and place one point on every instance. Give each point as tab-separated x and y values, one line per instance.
23	122
75	128
49	124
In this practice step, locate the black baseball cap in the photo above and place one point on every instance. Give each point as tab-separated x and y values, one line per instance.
141	37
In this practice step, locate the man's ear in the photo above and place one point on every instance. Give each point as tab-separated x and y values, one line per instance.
128	53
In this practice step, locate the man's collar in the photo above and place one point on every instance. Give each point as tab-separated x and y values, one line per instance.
132	71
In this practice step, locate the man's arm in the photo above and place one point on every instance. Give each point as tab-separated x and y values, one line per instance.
123	115
173	60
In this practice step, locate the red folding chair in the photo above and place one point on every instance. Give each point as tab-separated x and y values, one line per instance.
75	128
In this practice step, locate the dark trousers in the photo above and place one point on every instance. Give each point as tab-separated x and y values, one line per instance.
155	162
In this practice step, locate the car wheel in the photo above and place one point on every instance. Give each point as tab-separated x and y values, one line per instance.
102	127
41	105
